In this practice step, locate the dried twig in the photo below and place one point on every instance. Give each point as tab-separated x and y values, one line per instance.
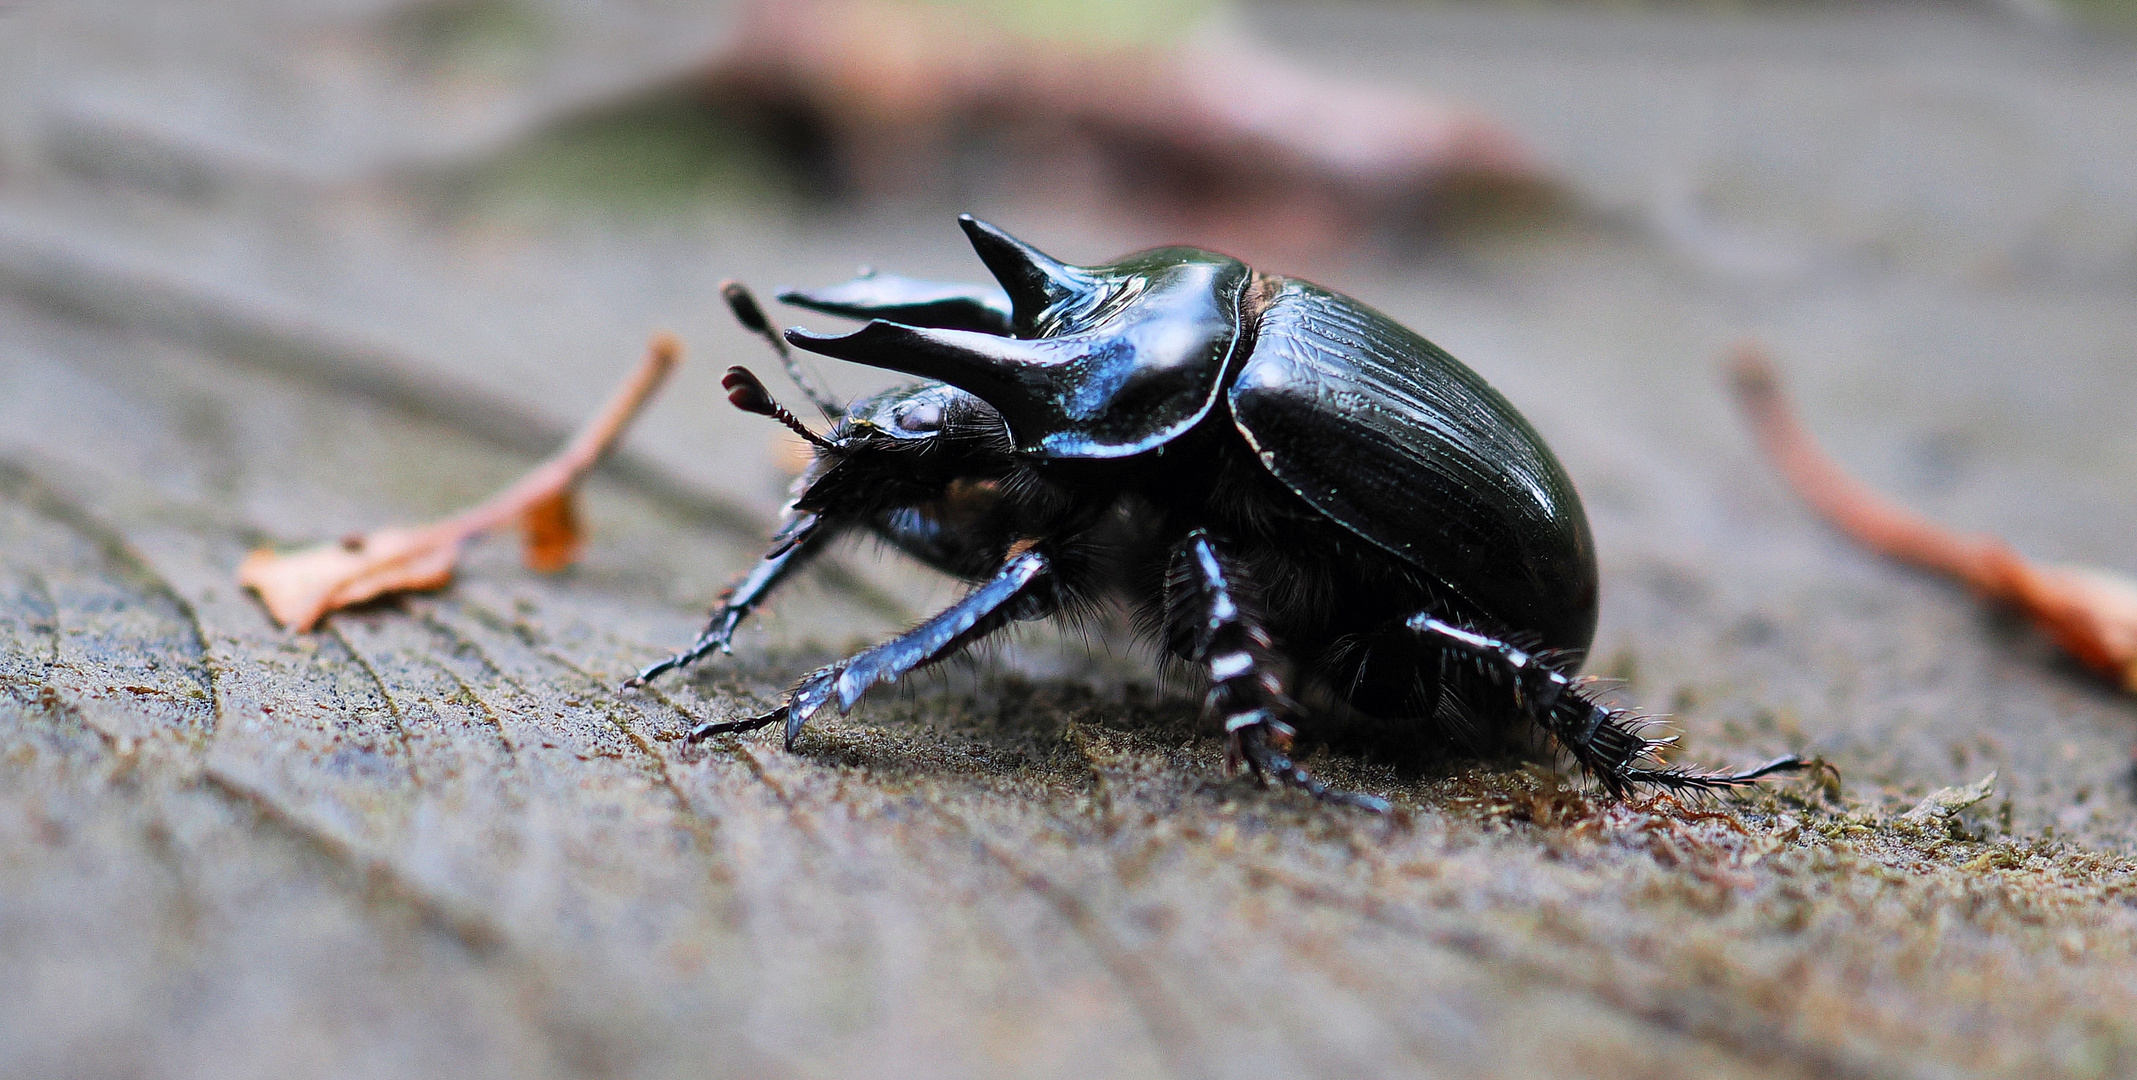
2091	613
301	587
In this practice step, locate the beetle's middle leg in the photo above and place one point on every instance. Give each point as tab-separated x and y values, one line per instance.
1021	589
1209	625
1605	741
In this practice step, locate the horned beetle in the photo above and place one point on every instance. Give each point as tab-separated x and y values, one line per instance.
1294	492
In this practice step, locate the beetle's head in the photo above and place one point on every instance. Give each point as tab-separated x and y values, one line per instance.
897	447
912	418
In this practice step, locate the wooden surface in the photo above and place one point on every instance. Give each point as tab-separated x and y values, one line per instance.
434	839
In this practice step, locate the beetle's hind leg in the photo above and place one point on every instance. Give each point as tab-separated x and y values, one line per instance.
1607	742
1209	626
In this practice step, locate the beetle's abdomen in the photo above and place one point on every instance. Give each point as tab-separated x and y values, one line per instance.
1396	440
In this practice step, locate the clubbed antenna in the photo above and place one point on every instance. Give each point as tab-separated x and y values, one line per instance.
747	312
748	394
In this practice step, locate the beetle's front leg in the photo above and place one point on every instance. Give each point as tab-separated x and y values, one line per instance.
1022	589
1605	741
1210	626
798	540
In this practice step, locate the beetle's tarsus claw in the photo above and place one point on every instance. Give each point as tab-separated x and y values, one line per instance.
654	671
1786	763
728	727
715	639
651	672
1274	767
1682	779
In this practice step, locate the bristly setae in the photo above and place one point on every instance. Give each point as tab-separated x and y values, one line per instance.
1298	494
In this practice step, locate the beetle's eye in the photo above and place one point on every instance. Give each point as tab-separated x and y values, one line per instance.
919	416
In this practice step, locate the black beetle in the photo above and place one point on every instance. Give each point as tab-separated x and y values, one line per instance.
1276	476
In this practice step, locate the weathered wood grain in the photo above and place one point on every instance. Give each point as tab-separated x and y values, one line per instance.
435	836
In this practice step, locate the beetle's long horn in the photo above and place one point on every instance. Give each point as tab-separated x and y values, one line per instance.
1011	374
1033	279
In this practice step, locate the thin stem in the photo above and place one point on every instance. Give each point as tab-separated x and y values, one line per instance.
1849	504
582	453
300	587
2091	614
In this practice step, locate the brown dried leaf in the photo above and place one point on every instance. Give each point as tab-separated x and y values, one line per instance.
2090	613
301	587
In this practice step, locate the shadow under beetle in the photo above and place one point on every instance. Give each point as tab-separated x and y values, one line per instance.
1290	489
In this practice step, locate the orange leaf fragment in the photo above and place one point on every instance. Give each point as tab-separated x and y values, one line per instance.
2091	614
551	532
301	587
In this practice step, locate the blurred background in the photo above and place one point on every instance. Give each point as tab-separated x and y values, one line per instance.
275	271
1577	196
